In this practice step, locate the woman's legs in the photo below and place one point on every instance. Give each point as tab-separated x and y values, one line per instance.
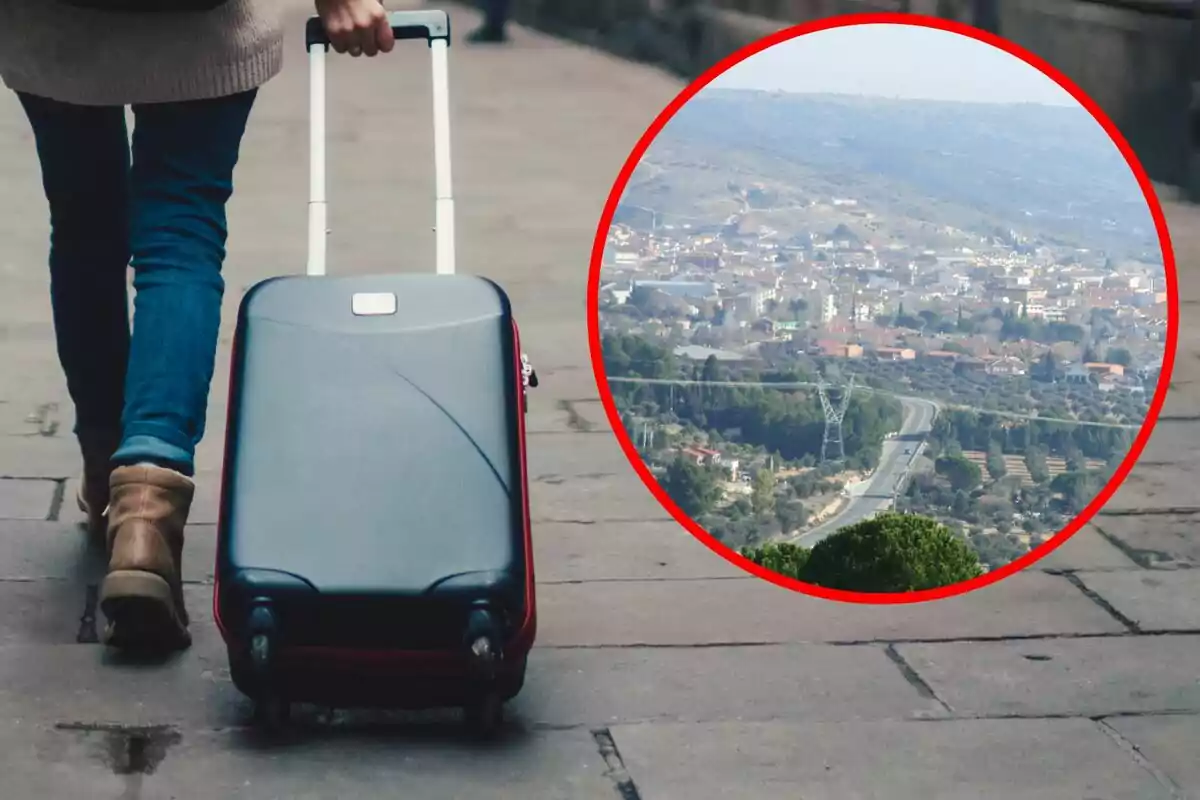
495	20
167	209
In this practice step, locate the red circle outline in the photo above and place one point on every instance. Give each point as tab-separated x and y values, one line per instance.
962	587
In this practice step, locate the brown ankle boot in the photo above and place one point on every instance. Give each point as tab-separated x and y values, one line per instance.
142	596
97	448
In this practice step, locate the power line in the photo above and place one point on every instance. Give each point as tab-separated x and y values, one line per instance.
939	403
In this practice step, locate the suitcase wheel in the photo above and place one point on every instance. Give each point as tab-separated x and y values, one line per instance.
271	710
484	715
482	637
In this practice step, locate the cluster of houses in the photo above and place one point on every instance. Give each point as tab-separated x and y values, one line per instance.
732	291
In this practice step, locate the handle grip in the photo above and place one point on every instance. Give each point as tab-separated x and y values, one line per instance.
428	24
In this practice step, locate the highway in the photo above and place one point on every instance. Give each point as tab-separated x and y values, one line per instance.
875	495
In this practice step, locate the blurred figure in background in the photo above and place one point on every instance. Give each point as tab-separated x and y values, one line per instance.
495	20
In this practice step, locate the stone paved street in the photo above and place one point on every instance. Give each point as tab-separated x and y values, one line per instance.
661	672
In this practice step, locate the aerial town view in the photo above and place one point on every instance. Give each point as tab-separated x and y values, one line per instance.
819	308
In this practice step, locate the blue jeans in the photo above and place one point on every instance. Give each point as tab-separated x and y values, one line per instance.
160	207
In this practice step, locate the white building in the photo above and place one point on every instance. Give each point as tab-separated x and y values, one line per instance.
828	308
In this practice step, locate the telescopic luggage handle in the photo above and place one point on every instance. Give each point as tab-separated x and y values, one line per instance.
434	27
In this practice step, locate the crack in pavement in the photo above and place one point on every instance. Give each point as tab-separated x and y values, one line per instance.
1156	511
575	420
1108	607
1144	557
593	432
1031	637
56	501
88	630
555	479
600	520
1142	760
914	678
616	772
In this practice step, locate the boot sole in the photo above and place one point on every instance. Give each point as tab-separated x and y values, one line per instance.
141	612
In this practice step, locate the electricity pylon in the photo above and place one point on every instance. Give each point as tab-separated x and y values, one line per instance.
832	445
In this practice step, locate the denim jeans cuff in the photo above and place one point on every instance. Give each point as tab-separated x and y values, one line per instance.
140	448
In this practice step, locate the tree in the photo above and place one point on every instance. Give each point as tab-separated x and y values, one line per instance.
782	558
963	474
1047	369
1077	488
1035	462
791	515
693	488
891	552
641	297
1118	355
996	467
762	498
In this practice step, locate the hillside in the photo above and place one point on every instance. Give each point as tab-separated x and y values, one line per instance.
1050	173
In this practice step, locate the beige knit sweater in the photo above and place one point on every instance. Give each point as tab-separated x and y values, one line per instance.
96	58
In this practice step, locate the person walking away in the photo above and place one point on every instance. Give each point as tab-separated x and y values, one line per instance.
495	21
157	203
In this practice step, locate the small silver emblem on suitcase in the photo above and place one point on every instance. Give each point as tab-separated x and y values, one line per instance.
373	304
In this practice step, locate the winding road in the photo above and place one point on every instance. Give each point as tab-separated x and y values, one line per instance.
875	495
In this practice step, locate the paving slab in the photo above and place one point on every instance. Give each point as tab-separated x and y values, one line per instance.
1154	600
41	761
607	551
1155	540
1159	479
711	612
575	454
946	760
818	682
47	677
614	496
46	612
1087	549
1183	395
48	457
1169	742
23	499
1085	677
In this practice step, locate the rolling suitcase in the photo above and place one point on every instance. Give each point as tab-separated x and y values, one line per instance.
373	537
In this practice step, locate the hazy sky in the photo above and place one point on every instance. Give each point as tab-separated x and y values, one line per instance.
904	61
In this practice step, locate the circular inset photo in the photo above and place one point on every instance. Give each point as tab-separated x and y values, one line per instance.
882	308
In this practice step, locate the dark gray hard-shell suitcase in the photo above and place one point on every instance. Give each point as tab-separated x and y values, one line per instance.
373	541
